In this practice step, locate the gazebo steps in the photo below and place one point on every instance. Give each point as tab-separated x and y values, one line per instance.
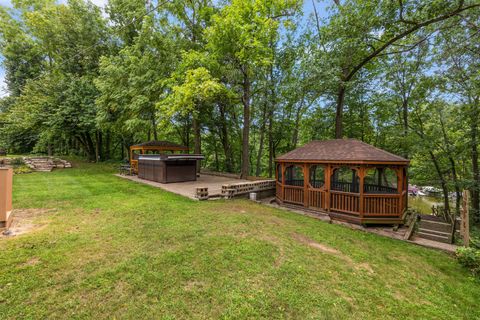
435	225
434	228
435	236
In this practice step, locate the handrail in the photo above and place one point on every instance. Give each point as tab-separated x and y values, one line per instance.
381	195
322	188
346	193
293	187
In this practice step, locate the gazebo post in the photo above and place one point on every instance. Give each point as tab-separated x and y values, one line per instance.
328	174
405	186
361	175
400	183
305	185
283	180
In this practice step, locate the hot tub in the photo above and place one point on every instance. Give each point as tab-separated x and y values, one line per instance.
168	168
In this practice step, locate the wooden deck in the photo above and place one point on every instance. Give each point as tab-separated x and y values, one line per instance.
188	189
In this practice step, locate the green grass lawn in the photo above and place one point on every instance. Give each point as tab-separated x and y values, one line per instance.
116	249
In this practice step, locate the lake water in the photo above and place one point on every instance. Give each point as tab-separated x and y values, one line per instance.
424	204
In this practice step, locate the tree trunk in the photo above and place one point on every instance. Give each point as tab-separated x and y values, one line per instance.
475	192
90	147
297	125
246	126
197	145
98	147
154	127
339	112
452	165
122	147
107	145
187	133
271	112
443	182
49	149
87	145
270	144
227	149
262	139
217	163
405	127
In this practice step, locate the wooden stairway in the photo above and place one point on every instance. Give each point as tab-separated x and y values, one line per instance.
434	228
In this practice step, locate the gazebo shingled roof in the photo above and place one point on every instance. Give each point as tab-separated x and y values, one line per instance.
341	150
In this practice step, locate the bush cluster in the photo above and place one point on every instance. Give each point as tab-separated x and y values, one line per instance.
470	258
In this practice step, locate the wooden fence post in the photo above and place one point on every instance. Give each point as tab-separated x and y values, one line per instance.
6	178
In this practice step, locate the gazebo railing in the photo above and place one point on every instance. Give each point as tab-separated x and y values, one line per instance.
294	194
375	205
317	183
294	182
345	202
374	188
345	186
317	199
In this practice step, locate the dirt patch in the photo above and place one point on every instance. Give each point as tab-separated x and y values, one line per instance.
311	243
31	262
366	267
329	250
345	297
26	221
194	285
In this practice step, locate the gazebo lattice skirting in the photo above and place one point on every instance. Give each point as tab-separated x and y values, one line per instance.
348	179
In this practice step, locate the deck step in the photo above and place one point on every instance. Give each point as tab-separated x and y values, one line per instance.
434	237
435	225
435	232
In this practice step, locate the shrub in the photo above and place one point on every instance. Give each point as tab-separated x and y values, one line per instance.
17	162
469	258
21	169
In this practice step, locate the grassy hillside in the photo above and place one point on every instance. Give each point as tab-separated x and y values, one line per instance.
112	248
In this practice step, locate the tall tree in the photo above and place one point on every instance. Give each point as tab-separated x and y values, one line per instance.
239	36
359	32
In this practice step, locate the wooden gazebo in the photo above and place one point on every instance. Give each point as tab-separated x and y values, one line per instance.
349	179
154	147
